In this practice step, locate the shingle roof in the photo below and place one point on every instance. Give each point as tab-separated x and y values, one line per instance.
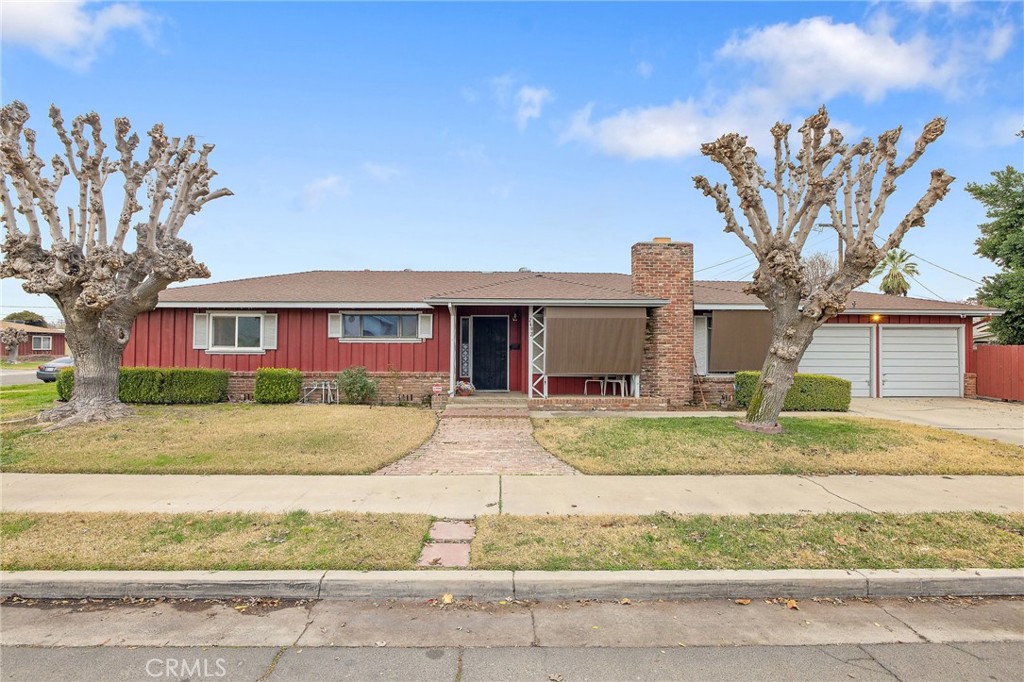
407	286
418	288
32	329
727	293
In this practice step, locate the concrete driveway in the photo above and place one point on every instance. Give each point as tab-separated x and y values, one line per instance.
981	418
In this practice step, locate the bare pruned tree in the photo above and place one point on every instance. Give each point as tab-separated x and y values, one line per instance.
10	339
80	261
851	184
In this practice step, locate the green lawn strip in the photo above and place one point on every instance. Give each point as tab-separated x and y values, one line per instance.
297	540
225	439
26	400
809	445
22	365
769	541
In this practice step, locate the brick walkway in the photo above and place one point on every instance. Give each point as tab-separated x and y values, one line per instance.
480	440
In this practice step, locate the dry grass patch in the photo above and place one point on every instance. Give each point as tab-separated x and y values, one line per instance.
172	542
764	541
226	439
819	445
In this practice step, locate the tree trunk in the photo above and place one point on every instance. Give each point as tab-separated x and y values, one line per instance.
97	348
12	354
790	338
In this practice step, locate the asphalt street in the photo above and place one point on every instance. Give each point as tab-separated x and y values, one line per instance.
15	377
932	639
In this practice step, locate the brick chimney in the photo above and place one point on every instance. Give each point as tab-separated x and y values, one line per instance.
663	269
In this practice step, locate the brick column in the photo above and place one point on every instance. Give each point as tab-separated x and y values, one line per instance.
664	269
970	385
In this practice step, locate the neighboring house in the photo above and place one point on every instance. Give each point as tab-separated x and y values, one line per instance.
42	341
545	334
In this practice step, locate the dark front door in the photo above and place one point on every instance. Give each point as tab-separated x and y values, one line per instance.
490	353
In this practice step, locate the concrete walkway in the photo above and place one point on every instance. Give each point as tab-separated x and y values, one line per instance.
464	497
482	435
981	418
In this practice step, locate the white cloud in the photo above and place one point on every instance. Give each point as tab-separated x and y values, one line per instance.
72	32
999	42
383	172
317	191
473	155
644	69
777	70
529	103
816	59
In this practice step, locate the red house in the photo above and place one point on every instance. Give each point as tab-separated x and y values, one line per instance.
41	342
654	338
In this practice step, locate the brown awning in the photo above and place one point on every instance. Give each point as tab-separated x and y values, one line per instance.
593	341
739	339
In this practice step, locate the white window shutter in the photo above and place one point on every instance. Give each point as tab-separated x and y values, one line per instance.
426	326
334	325
269	332
200	330
700	344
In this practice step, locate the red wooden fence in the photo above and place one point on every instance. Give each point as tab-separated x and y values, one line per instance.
1000	372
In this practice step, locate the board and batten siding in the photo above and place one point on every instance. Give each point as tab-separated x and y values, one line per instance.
163	338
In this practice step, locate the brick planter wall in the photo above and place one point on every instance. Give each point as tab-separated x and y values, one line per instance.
582	402
410	387
716	392
665	270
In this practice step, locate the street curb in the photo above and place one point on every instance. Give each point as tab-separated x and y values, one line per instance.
526	585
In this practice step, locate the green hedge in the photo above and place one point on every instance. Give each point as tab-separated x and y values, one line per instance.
160	385
810	392
278	385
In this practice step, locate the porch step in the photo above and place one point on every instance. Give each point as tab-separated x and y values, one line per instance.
484	400
486	412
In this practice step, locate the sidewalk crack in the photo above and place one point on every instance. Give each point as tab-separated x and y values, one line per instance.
320	584
903	622
811	480
881	665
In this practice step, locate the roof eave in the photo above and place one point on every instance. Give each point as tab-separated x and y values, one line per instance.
325	305
575	302
963	312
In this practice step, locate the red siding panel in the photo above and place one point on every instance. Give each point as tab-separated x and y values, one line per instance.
163	338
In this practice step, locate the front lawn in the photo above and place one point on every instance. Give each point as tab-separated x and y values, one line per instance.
817	445
757	541
26	400
225	439
177	542
349	541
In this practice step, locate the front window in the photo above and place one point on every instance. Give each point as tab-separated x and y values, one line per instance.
380	326
42	343
237	331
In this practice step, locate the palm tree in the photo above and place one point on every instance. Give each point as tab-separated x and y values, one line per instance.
897	267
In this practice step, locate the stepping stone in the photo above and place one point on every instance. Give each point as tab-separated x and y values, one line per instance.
452	531
445	555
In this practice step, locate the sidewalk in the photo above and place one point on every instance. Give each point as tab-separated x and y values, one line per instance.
469	496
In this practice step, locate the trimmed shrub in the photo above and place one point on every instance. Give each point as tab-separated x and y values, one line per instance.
810	392
276	386
357	386
65	382
160	385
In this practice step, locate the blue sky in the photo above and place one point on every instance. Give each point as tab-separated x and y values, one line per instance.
499	136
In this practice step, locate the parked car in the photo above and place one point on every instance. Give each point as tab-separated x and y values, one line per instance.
51	369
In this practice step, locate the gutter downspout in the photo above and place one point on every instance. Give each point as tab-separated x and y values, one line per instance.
453	344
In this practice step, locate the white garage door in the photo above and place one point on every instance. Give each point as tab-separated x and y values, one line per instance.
920	361
842	351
